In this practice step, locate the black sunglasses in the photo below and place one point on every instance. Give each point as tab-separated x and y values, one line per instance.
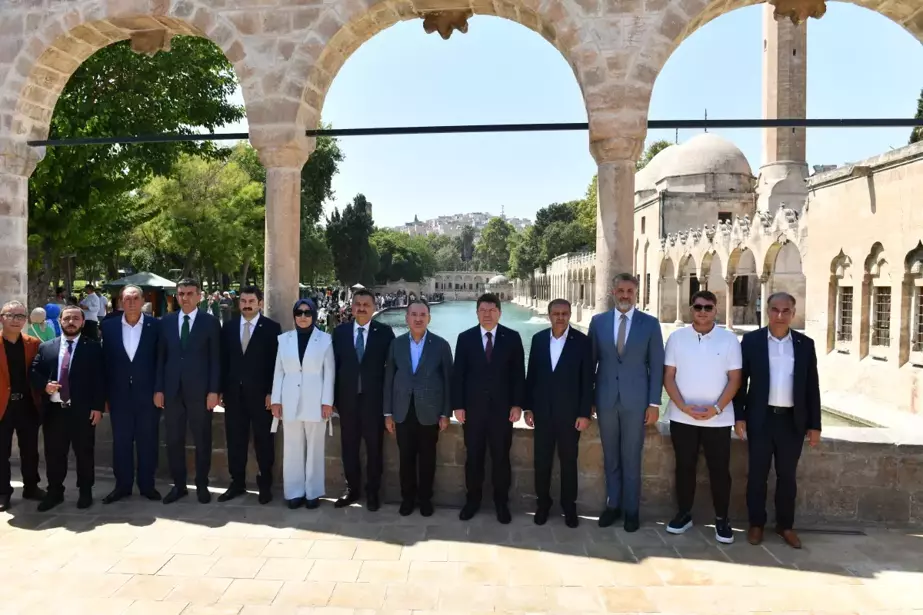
302	313
698	307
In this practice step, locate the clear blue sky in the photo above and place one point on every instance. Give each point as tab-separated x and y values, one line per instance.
860	64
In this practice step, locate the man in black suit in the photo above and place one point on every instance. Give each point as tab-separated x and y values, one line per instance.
418	404
248	357
559	398
69	372
130	351
361	350
777	406
188	382
487	394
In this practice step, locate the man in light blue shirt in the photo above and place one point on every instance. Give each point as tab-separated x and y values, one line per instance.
417	404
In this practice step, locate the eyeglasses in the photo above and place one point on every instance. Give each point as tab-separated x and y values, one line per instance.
14	316
302	313
698	307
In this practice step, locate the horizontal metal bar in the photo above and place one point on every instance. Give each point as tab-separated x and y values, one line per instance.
490	128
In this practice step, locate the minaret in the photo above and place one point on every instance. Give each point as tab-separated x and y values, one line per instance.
784	169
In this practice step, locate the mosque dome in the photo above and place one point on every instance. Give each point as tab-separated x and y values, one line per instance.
647	178
705	154
498	280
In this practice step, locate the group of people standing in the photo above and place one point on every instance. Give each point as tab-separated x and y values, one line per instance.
187	364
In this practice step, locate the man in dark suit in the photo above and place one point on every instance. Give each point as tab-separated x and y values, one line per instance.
69	371
248	357
559	396
487	394
130	351
417	404
777	405
188	382
361	348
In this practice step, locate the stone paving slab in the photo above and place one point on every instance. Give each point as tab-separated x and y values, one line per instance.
139	557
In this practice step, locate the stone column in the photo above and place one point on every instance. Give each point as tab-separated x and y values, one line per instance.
17	161
729	303
763	316
614	212
679	301
283	228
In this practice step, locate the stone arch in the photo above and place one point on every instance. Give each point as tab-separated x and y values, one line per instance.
785	273
911	329
745	287
877	303
667	292
842	296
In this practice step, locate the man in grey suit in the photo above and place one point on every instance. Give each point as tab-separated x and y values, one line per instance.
628	355
187	385
417	404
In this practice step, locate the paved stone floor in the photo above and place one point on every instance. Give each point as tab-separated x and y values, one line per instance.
139	557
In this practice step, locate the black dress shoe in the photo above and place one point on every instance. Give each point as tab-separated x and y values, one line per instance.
348	498
426	508
265	496
203	495
4	503
570	518
50	502
609	516
152	494
85	500
468	511
541	515
503	514
232	492
312	504
406	508
115	495
295	504
632	523
34	493
372	504
175	494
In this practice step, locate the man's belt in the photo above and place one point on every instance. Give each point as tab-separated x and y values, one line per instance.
63	404
781	409
16	396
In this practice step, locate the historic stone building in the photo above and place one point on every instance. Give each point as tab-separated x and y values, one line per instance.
459	285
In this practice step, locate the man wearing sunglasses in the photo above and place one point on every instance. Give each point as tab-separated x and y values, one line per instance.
701	375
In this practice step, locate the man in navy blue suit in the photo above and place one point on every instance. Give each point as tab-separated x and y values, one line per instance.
130	352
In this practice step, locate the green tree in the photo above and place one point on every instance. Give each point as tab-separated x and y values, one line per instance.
493	248
525	254
465	244
347	234
402	257
652	150
75	191
917	133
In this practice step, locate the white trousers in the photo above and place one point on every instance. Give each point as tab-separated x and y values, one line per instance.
303	459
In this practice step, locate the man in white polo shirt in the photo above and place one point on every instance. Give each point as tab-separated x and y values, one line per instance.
701	375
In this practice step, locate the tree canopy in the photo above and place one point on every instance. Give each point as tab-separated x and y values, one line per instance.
652	150
348	237
917	133
493	247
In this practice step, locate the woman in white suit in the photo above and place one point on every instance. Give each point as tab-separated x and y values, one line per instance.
302	397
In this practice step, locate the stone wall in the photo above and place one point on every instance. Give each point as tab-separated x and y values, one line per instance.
855	475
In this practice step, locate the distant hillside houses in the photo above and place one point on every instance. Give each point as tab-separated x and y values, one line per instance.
452	225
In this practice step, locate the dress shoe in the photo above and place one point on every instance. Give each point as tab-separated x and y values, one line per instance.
152	494
265	496
175	494
406	508
503	514
755	535
632	523
4	503
115	495
232	492
790	537
203	495
34	493
372	504
85	500
348	498
609	516
312	504
426	508
468	511
570	518
50	502
541	515
295	503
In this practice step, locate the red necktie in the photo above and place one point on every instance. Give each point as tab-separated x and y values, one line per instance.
65	391
489	349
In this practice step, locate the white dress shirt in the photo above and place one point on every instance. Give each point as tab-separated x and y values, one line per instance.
365	334
781	371
90	305
182	318
61	352
557	347
103	307
493	335
251	323
618	319
131	336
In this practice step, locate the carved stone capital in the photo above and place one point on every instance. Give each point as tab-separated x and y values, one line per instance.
616	149
18	158
446	22
799	10
289	156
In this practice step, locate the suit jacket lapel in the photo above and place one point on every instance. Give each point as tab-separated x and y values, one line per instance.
762	342
635	332
120	338
799	367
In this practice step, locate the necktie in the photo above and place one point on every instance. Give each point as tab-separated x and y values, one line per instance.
184	334
489	348
246	339
360	352
65	382
620	340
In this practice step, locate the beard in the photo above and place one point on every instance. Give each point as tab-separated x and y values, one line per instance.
623	306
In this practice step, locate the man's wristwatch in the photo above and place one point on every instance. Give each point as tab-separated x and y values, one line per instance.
717	409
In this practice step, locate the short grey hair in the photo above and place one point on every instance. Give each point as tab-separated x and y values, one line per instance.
13	304
780	295
39	312
625	277
131	287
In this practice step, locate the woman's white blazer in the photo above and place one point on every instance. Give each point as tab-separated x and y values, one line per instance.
302	387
